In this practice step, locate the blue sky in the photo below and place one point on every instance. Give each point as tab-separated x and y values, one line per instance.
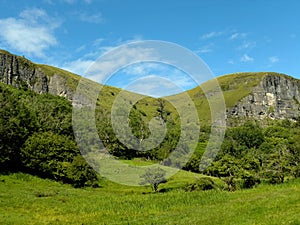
229	36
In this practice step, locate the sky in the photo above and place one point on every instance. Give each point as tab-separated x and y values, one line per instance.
229	36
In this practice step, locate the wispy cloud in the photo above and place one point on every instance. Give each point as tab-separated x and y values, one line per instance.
154	79
155	86
78	66
273	59
205	49
231	62
31	33
246	58
211	35
247	45
71	2
91	18
237	35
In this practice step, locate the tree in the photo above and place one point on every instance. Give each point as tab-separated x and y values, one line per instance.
43	152
80	173
154	176
16	124
57	156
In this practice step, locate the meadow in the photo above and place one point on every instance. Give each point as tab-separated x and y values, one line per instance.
26	199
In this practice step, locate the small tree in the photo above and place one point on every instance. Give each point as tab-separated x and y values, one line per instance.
154	177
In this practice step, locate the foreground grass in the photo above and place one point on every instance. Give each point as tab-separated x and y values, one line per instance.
25	199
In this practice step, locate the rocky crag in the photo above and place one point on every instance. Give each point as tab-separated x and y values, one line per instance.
276	97
22	73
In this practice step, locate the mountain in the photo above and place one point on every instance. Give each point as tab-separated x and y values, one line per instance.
262	95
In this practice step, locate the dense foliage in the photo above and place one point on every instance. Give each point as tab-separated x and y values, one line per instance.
37	137
251	153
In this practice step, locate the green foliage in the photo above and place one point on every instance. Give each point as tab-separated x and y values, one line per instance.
80	174
37	136
43	152
154	176
16	124
201	184
57	157
249	179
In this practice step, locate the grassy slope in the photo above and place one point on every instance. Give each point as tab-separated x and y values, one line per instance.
234	87
29	200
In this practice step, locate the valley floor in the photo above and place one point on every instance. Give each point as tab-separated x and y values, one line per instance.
25	199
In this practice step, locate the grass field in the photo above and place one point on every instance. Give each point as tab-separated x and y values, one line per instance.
25	199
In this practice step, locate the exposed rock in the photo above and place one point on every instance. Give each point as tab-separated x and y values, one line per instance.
58	86
276	97
20	72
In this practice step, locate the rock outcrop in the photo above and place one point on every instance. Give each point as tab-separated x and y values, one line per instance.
20	72
276	97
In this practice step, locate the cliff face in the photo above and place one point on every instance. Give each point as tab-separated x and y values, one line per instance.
20	72
276	97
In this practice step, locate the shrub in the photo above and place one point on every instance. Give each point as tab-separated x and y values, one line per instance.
57	157
201	184
80	174
249	180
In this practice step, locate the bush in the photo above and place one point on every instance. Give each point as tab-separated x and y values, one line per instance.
57	157
80	174
43	153
201	184
249	180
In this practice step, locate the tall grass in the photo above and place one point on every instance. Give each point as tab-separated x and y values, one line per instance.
25	199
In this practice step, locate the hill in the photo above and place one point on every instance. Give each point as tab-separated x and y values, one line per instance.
249	154
258	95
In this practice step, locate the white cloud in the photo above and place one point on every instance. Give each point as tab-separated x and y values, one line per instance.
205	49
237	35
91	18
231	62
78	66
155	86
117	59
97	42
247	45
168	79
31	33
211	35
75	1
69	1
273	59
246	58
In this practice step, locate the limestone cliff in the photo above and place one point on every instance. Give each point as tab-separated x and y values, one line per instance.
276	97
20	72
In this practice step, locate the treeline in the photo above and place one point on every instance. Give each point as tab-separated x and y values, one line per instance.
251	154
36	136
